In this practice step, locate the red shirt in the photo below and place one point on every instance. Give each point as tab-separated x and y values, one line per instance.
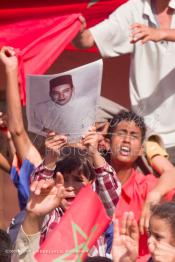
133	195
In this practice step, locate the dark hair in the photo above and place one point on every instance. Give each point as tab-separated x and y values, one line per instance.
5	246
129	116
97	259
73	158
165	211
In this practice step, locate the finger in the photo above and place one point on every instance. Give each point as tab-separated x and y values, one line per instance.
88	134
123	224
129	219
116	229
51	133
134	232
145	40
151	245
141	224
41	184
33	186
55	138
135	25
139	37
59	179
92	129
8	51
145	217
83	23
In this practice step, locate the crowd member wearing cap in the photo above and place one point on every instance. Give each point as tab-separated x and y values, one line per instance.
64	108
109	184
61	89
61	93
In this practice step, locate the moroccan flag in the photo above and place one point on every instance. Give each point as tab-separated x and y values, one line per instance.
77	231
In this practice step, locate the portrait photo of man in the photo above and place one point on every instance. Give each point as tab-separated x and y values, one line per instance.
64	103
61	89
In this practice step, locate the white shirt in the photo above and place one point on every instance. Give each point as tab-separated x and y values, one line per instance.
72	119
152	70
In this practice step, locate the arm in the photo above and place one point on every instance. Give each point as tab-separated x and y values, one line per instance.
23	145
45	197
84	38
5	164
165	184
107	184
145	33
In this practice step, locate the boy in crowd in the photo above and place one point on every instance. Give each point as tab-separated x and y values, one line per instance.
126	134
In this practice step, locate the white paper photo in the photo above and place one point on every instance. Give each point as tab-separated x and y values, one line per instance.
65	103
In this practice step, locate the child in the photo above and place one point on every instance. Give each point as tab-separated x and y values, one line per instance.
43	209
161	240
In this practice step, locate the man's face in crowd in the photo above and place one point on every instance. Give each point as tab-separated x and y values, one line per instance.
61	94
126	143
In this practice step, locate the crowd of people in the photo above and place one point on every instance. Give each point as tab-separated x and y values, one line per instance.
109	157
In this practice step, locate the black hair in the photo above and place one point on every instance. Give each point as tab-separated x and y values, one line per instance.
129	116
73	158
5	246
97	259
165	211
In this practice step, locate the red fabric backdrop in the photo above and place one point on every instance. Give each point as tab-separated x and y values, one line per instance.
42	29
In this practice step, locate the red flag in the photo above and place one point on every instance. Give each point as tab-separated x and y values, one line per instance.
38	29
77	231
40	42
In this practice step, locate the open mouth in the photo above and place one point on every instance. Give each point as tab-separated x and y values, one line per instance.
69	199
125	150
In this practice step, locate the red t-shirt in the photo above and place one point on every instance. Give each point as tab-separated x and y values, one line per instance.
133	195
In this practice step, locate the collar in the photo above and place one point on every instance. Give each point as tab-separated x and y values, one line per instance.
128	188
147	11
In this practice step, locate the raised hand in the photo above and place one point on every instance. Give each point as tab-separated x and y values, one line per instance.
152	198
46	195
54	142
8	58
83	23
90	141
125	241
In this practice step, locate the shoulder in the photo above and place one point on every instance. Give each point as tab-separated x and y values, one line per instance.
142	179
130	7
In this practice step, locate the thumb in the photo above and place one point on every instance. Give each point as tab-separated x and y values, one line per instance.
59	179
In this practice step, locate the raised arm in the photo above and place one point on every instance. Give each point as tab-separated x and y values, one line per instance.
107	185
24	147
165	184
